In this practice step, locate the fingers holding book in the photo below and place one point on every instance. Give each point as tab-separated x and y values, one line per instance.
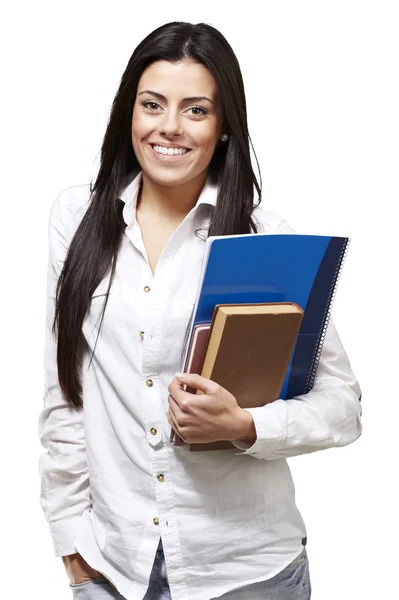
209	414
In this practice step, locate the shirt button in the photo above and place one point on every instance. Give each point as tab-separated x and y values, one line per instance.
149	382
156	521
142	334
160	477
153	431
147	289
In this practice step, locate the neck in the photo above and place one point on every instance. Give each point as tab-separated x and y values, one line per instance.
165	201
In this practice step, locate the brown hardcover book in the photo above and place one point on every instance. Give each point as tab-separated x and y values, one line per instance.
248	353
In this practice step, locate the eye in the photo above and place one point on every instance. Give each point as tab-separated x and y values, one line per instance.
204	111
146	104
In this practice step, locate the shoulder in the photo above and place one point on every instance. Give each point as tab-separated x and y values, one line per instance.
268	221
69	207
73	199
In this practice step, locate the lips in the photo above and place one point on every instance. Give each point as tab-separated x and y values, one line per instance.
168	158
187	150
167	147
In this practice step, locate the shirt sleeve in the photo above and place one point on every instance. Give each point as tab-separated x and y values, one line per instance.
329	415
65	491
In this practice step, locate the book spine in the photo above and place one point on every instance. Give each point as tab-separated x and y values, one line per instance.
186	343
326	319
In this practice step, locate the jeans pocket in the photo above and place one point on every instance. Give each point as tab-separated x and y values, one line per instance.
295	576
100	579
301	558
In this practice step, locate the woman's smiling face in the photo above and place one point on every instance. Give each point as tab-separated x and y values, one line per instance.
176	104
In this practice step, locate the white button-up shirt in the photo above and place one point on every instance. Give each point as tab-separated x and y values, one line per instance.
111	481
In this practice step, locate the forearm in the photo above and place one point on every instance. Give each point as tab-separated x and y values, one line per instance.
76	560
327	416
78	570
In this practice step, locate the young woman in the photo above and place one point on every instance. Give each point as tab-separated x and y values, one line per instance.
131	515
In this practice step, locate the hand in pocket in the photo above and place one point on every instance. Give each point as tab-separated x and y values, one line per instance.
78	570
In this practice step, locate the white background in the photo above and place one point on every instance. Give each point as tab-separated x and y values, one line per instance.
321	80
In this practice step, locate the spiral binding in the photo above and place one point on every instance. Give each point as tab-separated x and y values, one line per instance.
326	318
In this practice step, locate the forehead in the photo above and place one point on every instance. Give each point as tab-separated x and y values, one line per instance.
184	78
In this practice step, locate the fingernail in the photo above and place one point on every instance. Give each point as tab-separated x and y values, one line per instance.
179	375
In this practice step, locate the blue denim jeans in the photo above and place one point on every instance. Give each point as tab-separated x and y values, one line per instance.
292	583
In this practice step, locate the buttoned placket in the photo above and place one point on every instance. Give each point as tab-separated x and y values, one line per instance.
151	308
147	307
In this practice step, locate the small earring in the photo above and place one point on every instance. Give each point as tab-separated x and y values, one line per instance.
224	137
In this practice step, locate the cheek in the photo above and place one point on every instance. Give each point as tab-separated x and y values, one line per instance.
140	127
206	139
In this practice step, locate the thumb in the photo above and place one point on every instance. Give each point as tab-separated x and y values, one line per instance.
196	381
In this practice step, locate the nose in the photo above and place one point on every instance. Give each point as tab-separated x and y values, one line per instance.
170	124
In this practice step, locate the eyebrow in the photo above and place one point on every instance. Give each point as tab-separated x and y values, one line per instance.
161	97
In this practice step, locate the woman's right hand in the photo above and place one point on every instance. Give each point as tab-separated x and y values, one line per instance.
78	570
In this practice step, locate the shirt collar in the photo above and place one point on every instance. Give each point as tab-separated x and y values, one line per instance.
131	188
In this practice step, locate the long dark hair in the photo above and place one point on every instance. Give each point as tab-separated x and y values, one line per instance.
95	245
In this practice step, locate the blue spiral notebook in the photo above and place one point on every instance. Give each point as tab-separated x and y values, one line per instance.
281	267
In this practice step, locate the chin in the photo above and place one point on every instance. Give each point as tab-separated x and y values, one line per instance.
168	179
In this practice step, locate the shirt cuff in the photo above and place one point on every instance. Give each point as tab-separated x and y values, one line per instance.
63	533
269	432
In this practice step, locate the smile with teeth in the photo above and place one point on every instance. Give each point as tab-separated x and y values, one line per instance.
170	151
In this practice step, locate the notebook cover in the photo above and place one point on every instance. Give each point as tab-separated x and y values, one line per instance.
252	359
281	267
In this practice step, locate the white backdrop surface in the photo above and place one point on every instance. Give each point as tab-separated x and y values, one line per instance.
321	80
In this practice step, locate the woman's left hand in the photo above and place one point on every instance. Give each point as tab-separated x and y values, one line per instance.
206	417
